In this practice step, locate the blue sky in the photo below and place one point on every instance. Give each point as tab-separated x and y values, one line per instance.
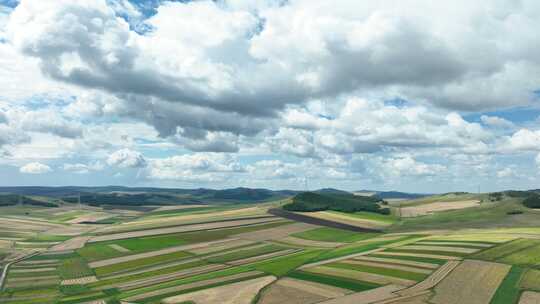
351	95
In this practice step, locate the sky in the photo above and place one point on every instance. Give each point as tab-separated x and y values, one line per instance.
410	95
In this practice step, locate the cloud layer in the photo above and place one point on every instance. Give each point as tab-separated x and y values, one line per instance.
271	92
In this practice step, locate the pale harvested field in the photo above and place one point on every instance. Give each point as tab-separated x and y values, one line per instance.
26	225
362	276
38	262
71	244
221	247
454	243
235	293
367	297
192	285
314	288
279	294
437	207
276	233
309	243
530	297
420	255
23	280
150	254
354	221
388	266
186	228
44	269
119	248
94	217
471	282
432	280
5	244
439	248
421	298
168	277
479	237
73	230
80	281
396	261
262	257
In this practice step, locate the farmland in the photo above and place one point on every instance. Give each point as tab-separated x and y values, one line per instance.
192	254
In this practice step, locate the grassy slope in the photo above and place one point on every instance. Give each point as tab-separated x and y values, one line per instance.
487	215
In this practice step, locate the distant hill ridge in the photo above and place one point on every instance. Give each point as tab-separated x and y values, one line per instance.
137	196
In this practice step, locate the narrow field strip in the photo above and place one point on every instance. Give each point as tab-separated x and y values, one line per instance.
368	297
220	247
185	228
168	277
361	276
161	267
45	269
111	282
45	278
141	263
419	255
389	261
388	266
458	244
339	282
263	257
309	243
166	292
439	248
414	258
79	281
150	254
119	248
390	272
313	287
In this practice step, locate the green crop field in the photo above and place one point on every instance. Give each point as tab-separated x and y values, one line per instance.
526	257
282	265
411	258
333	281
500	251
74	268
530	280
508	292
245	253
327	234
379	270
141	263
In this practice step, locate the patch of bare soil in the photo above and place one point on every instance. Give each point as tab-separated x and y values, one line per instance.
471	282
235	293
437	207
